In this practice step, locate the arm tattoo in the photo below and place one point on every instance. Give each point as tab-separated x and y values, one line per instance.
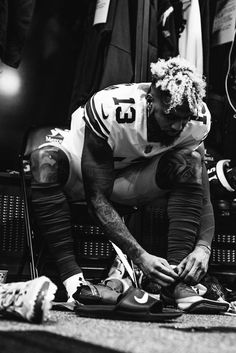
115	228
98	177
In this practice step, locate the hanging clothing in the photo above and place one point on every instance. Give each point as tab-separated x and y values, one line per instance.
153	34
190	41
165	25
15	19
118	67
204	6
222	78
168	29
105	56
90	57
230	87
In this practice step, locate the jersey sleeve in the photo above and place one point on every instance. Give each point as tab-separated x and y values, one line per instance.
199	127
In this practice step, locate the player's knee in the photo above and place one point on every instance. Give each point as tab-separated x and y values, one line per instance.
49	165
43	166
179	167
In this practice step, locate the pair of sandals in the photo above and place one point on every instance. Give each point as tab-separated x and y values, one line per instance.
117	299
134	304
114	299
120	298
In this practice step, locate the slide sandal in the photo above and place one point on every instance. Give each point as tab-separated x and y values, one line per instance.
96	294
89	294
133	305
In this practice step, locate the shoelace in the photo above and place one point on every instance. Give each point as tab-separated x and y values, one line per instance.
196	290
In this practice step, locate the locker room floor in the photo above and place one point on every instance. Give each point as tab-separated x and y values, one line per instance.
65	332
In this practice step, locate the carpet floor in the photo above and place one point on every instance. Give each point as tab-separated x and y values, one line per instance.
66	332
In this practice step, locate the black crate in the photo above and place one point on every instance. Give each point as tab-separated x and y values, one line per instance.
91	243
93	250
12	225
224	249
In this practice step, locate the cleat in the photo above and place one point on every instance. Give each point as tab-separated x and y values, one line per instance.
191	299
29	300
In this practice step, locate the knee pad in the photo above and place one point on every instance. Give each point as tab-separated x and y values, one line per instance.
179	167
49	164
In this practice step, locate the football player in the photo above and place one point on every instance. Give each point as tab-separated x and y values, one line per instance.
132	144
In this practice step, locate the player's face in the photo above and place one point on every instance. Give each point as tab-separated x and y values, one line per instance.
171	124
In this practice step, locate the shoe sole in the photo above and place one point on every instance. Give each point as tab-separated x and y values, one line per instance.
63	306
43	303
105	312
207	307
38	310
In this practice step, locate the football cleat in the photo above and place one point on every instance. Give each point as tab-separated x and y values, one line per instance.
29	300
191	299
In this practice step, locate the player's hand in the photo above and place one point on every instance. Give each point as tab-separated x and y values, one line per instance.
194	267
157	269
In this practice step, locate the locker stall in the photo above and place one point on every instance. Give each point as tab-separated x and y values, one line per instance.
66	58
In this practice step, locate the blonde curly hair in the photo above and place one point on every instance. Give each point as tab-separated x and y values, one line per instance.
181	80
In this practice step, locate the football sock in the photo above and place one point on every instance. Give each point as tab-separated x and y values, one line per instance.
72	283
52	215
184	211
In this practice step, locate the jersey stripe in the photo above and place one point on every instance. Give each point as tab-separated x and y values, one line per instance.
98	117
91	122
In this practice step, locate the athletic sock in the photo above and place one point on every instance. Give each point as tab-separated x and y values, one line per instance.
72	283
184	212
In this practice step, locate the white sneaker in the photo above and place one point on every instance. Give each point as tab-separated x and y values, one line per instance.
29	300
115	279
117	269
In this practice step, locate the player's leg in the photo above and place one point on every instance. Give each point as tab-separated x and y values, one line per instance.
50	170
181	172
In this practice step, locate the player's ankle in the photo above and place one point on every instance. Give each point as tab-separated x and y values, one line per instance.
73	282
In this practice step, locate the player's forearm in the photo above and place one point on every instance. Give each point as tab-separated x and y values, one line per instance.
115	228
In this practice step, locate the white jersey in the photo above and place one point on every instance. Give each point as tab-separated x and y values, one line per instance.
118	115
